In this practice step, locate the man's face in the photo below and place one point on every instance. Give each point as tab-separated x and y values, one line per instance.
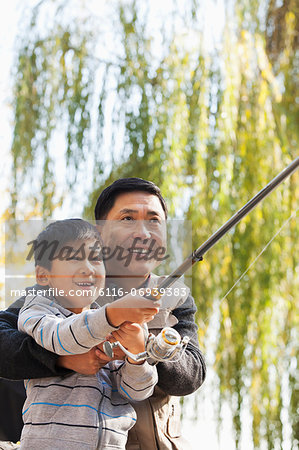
135	228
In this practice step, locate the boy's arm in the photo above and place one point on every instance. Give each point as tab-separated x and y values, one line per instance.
20	356
135	380
187	374
63	335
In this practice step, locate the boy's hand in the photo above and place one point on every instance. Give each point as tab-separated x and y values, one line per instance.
131	308
131	336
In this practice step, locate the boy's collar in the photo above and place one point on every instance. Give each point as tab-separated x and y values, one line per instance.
47	294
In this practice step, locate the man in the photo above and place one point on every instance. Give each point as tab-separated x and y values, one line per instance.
131	214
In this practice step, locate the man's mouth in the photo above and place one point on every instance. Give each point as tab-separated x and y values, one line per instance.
139	251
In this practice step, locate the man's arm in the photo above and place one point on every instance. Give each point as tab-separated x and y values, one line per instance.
186	375
20	356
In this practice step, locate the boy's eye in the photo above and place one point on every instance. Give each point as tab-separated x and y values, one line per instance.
98	258
74	258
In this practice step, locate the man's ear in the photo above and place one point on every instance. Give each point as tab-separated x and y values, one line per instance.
42	275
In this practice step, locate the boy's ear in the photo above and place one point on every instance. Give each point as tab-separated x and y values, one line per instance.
99	226
42	275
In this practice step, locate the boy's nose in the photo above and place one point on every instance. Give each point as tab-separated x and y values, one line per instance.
86	267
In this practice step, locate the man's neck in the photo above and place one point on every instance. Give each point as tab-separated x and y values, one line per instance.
127	283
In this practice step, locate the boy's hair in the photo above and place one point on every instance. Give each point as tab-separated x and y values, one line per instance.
107	197
56	235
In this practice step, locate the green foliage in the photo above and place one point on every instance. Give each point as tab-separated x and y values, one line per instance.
51	86
211	128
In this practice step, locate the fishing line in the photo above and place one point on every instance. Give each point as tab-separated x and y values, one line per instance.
254	261
250	265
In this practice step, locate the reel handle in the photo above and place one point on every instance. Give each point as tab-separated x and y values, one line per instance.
108	349
158	348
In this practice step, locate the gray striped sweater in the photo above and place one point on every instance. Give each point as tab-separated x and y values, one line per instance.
78	411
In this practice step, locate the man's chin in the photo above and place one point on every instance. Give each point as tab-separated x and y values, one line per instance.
134	270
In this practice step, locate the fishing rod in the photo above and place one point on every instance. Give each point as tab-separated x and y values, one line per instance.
197	255
168	344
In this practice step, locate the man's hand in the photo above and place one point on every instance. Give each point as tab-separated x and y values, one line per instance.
86	364
131	308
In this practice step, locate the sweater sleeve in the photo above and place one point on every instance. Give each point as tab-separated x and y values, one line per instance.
136	382
187	374
20	356
76	334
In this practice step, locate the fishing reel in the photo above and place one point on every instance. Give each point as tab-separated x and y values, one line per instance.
163	347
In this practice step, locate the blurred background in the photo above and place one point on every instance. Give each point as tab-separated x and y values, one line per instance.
201	97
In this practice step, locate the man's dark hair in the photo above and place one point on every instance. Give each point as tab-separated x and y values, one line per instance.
107	197
57	235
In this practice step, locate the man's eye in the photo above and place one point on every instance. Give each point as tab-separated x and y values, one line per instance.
127	218
155	220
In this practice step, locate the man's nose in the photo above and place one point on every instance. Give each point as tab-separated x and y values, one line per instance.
141	230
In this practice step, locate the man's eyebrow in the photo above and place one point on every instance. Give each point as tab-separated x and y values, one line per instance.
153	213
128	211
132	211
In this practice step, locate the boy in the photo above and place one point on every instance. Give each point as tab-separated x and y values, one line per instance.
78	411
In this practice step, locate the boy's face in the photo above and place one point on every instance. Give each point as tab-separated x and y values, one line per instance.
77	275
136	224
